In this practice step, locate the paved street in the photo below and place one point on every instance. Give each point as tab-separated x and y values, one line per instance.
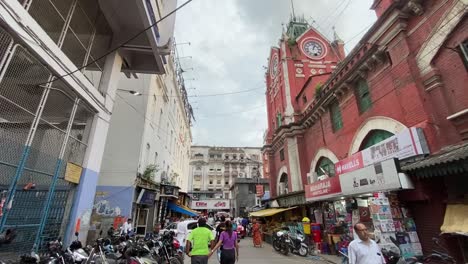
265	255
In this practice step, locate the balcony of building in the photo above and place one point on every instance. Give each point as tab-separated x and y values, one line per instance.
234	174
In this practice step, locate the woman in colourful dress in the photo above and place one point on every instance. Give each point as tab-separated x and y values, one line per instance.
257	233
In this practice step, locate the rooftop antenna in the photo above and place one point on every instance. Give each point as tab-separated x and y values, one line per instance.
292	8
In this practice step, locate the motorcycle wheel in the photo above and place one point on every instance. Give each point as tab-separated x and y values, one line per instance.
285	250
180	258
303	251
175	261
276	245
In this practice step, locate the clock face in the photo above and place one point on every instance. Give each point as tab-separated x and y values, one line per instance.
313	49
274	66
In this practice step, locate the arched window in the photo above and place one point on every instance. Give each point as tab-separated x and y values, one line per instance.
283	184
374	137
325	165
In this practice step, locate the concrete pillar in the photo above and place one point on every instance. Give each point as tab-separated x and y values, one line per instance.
86	191
294	165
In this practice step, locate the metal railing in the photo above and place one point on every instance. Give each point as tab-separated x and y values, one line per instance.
43	129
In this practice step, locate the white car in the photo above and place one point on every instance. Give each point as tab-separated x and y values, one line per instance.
191	224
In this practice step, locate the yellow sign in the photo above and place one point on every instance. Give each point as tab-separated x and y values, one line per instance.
73	173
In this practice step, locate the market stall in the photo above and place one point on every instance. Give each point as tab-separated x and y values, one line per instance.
273	219
368	195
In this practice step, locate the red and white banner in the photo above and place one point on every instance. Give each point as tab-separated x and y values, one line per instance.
323	189
210	204
409	143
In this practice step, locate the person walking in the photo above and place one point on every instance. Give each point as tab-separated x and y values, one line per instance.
257	233
230	247
364	250
199	242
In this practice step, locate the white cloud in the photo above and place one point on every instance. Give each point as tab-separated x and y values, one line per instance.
230	42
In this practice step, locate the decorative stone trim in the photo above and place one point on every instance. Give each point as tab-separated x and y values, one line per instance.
432	80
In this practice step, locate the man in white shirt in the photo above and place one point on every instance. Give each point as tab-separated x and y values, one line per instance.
127	227
182	231
364	250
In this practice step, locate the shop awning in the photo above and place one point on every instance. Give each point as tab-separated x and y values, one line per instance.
270	211
456	219
451	159
179	209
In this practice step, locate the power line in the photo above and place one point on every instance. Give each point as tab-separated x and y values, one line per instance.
231	113
332	13
206	95
119	46
339	14
359	33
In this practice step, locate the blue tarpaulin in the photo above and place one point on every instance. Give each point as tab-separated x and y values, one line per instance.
174	207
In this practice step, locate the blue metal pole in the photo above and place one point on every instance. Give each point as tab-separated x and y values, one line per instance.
24	156
58	166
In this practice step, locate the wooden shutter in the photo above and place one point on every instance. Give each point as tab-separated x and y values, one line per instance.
363	96
337	121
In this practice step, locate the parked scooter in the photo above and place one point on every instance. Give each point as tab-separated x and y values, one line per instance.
297	243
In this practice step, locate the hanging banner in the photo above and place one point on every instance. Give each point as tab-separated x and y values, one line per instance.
210	204
409	143
259	189
323	189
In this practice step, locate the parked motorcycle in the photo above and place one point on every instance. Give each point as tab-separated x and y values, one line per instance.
76	250
165	250
436	256
281	241
285	241
7	236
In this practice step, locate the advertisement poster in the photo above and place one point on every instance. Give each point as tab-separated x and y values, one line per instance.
409	143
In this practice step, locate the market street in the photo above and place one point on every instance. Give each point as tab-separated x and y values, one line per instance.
249	254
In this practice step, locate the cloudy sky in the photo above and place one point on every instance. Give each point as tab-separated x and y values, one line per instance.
229	45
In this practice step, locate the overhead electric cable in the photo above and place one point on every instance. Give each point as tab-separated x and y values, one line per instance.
119	46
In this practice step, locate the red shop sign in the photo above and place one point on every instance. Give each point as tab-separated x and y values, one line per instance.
259	189
349	164
323	189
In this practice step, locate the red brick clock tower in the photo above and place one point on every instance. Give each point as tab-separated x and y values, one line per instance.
297	68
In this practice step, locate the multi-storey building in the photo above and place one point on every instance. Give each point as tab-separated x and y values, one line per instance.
214	169
404	82
149	141
60	64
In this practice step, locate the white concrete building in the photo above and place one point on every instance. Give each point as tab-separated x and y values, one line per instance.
213	169
60	65
149	137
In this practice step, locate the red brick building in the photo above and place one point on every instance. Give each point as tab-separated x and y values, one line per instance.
409	70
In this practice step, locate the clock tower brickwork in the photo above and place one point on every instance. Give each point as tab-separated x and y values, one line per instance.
412	81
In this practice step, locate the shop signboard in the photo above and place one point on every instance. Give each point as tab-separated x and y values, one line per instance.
146	197
323	189
170	190
212	204
409	143
259	189
291	200
378	177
